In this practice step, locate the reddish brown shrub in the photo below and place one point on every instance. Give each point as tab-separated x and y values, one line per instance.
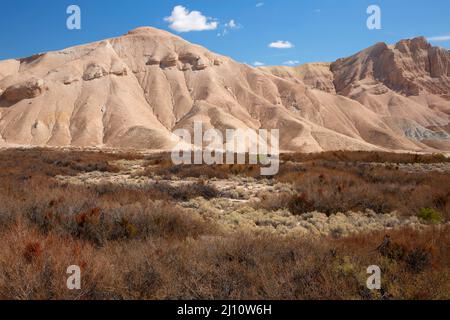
32	251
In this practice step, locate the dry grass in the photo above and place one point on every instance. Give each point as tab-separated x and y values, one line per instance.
167	171
330	187
366	156
238	266
25	163
138	243
333	182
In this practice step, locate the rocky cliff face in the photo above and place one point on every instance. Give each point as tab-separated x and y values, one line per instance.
133	91
410	67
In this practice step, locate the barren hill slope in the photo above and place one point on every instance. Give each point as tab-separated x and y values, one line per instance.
133	91
407	85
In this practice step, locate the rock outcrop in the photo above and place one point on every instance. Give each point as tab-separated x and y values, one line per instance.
28	89
410	67
94	71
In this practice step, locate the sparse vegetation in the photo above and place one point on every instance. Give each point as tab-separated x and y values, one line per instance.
330	188
142	242
366	157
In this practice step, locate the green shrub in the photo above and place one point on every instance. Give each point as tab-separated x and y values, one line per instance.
430	215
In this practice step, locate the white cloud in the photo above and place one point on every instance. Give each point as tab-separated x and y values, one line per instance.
182	20
281	45
258	64
259	4
439	38
291	62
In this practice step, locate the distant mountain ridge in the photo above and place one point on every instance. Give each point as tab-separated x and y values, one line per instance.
135	90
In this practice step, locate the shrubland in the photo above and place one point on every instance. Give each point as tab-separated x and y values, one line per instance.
141	243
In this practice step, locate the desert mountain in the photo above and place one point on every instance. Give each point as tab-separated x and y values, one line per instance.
135	90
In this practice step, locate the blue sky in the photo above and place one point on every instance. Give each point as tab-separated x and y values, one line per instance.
320	30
